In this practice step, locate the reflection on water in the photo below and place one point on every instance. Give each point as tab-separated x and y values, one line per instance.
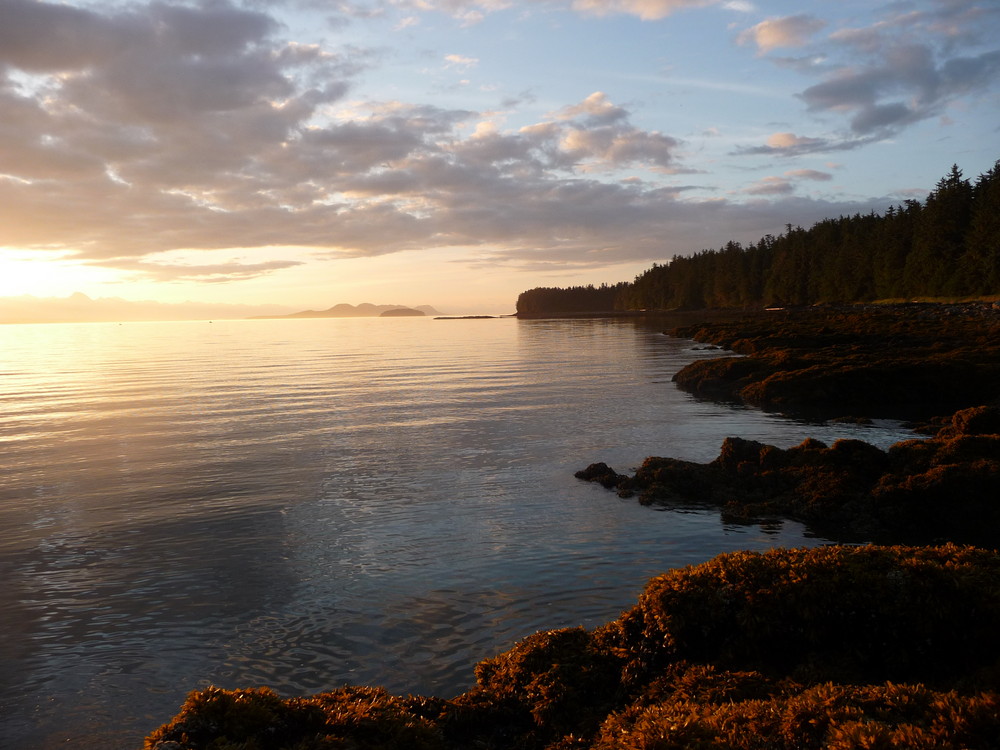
305	504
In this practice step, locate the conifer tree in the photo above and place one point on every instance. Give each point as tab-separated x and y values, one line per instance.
932	268
949	246
981	261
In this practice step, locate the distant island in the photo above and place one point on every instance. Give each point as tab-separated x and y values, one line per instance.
364	310
403	312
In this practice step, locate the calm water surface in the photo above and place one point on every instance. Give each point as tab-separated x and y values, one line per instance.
309	503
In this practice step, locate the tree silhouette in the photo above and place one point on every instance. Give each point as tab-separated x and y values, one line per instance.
949	246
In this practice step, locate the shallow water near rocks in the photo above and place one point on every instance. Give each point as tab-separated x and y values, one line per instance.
310	503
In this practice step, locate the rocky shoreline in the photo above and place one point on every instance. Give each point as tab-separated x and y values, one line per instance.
904	361
946	488
832	648
829	648
900	361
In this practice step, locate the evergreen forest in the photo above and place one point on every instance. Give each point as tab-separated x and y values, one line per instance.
947	247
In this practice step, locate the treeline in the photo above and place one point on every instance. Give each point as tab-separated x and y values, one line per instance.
947	246
574	299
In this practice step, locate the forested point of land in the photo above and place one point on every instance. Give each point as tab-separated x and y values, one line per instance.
947	247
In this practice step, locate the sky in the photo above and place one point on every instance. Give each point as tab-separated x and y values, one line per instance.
299	154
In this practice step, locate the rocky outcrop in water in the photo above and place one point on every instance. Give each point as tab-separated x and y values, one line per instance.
946	488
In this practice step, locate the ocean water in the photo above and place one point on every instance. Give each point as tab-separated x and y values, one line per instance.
306	504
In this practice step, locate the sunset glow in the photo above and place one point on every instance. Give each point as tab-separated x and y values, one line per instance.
456	153
41	274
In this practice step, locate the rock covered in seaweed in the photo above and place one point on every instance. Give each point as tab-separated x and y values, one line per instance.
946	488
898	361
831	647
600	473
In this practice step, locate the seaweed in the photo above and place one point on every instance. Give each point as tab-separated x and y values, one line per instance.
830	647
946	488
910	361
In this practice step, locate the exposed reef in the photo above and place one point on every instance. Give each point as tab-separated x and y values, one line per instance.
467	317
907	361
946	488
833	647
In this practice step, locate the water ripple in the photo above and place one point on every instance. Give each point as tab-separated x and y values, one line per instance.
305	504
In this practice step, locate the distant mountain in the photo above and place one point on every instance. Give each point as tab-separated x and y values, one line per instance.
364	310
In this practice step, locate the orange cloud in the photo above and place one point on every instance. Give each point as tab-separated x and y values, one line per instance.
790	31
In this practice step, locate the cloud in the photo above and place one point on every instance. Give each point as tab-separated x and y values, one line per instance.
904	84
130	131
790	31
473	11
205	272
460	61
770	186
48	37
596	108
469	12
864	40
597	133
648	10
784	141
789	144
120	179
785	185
617	147
904	68
809	174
